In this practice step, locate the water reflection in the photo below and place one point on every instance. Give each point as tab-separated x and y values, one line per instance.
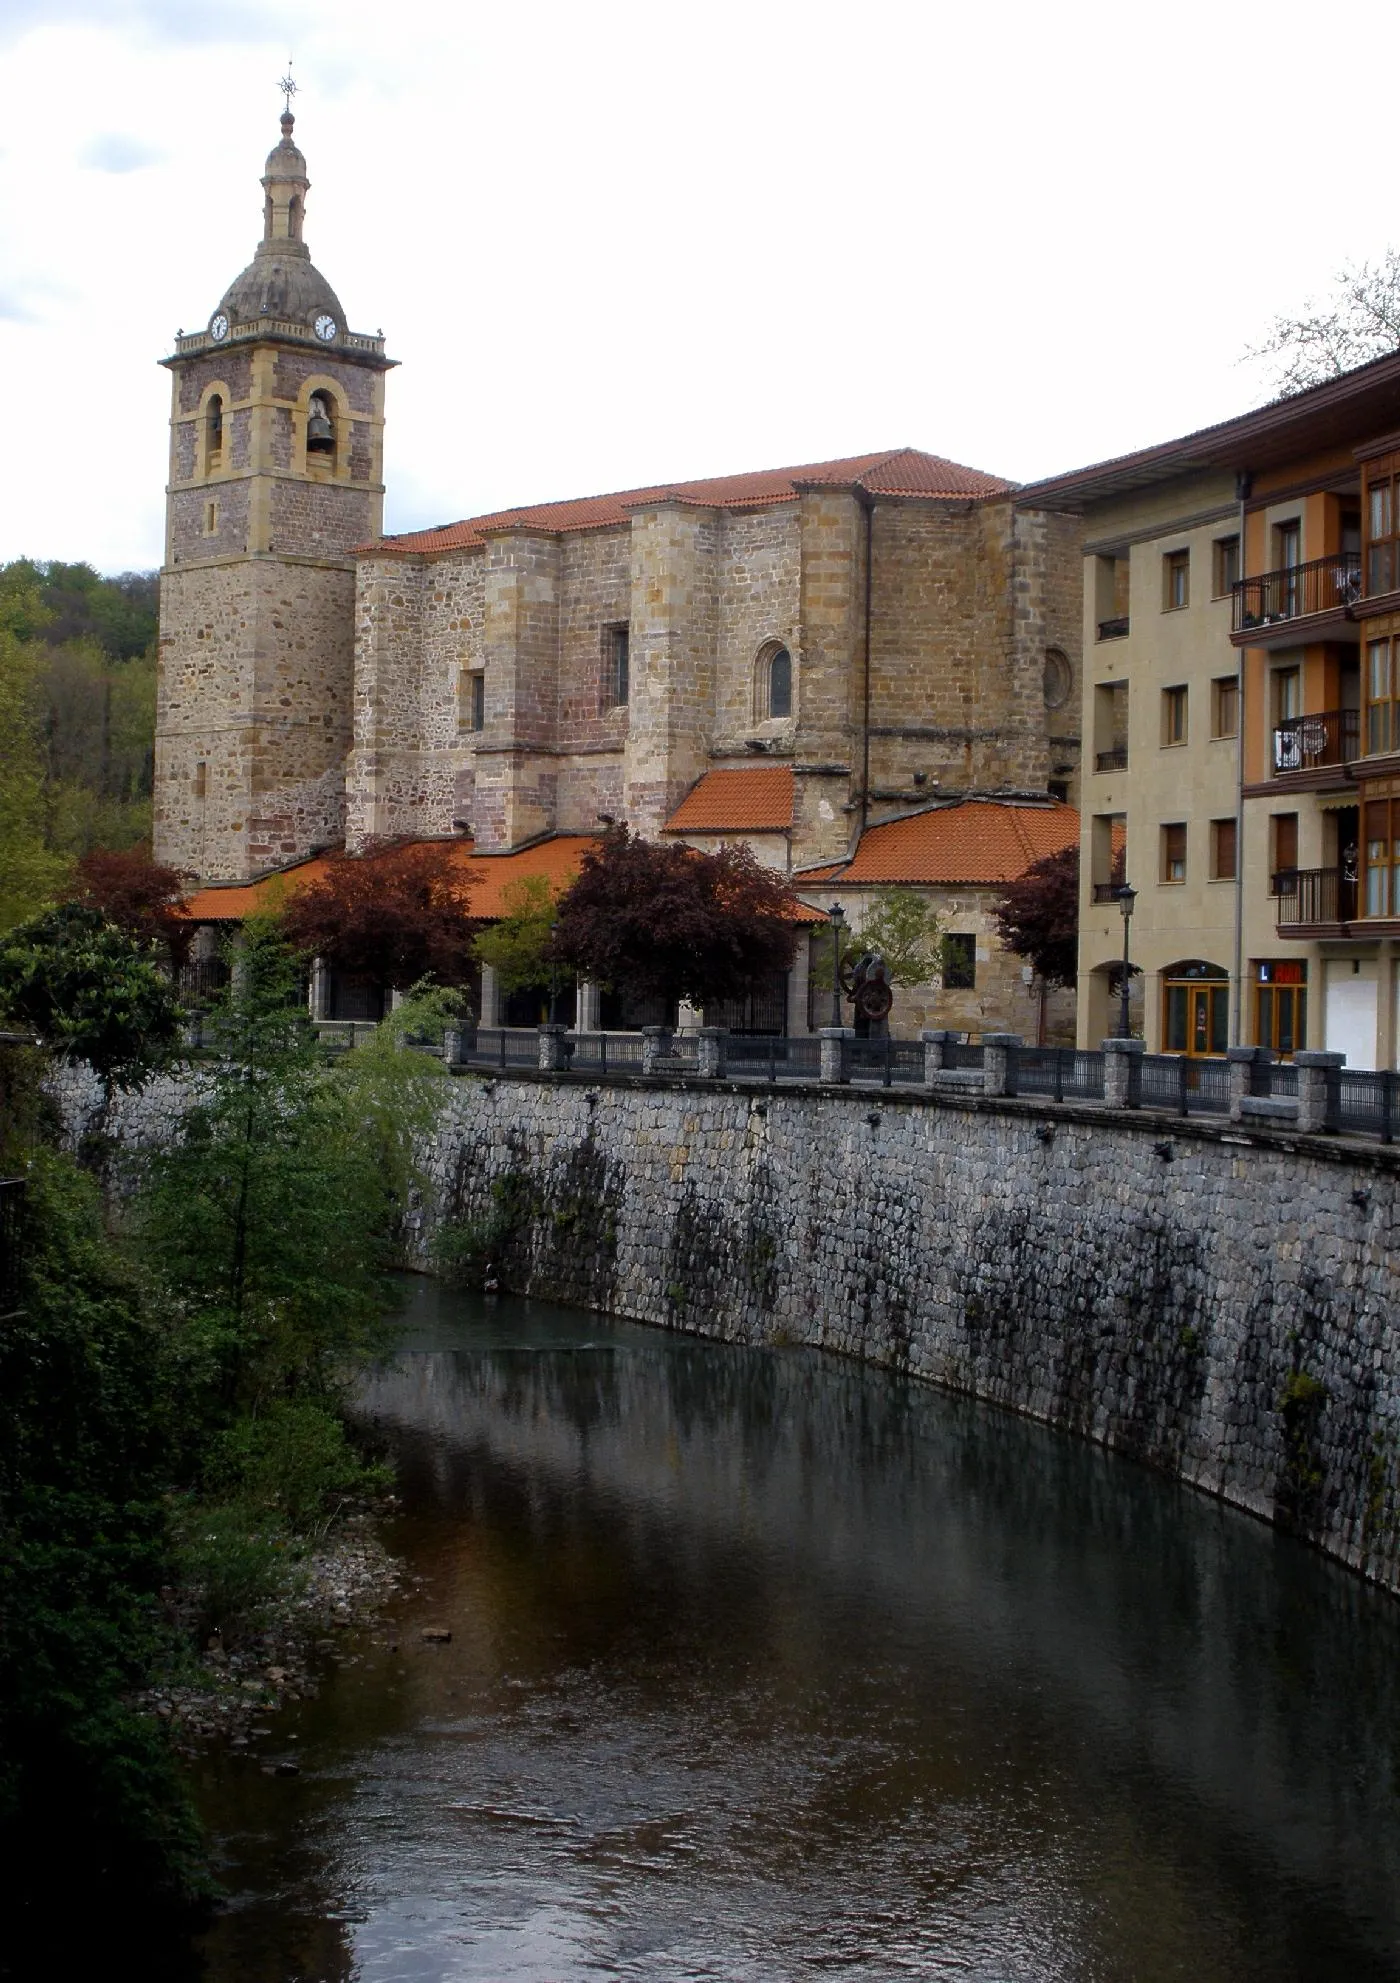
764	1665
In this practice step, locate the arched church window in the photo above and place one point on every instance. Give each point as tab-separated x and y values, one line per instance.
320	428
214	432
773	686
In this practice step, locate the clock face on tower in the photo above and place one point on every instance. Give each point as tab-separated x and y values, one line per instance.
325	328
218	327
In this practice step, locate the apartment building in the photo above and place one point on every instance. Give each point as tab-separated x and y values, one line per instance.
1242	728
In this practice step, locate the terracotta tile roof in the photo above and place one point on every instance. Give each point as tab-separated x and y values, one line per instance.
896	472
557	859
736	801
980	841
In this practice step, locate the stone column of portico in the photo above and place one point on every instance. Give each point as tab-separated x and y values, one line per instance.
798	976
490	997
1121	1058
587	1009
688	1017
999	1052
833	1052
1242	1062
1319	1089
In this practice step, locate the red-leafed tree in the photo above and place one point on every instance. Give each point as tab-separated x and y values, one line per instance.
398	914
1038	917
138	895
665	921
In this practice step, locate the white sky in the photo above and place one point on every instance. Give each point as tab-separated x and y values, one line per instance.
619	243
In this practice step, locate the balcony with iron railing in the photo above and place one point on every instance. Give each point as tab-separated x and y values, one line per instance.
1274	598
1115	629
1112	760
1331	737
1314	898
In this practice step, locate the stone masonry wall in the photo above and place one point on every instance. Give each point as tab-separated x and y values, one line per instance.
1218	1304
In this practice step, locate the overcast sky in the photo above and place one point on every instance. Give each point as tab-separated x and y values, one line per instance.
615	244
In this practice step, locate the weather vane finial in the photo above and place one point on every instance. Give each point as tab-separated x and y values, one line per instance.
288	89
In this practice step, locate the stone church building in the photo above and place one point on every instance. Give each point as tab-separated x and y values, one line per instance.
789	657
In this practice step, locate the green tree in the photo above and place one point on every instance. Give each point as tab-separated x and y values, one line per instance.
517	947
91	993
1358	322
274	1215
90	1797
907	931
31	872
1038	917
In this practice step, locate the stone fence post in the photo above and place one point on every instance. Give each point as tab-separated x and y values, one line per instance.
552	1055
934	1039
999	1054
833	1050
710	1043
1319	1089
1242	1062
1121	1060
653	1047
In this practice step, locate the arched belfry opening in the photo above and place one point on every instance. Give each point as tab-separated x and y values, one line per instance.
214	433
320	426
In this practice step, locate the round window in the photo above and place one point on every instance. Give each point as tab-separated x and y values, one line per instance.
1059	678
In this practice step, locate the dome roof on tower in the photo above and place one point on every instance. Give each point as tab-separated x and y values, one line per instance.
284	283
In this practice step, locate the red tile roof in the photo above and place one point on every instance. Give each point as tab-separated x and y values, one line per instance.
557	859
979	841
736	801
897	472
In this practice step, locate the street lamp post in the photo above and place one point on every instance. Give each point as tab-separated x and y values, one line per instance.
1126	898
553	977
838	923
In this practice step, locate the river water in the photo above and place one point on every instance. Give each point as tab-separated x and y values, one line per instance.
767	1666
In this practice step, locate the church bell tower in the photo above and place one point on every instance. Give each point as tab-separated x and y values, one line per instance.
276	473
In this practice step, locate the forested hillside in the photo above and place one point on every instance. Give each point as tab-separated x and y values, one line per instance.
77	722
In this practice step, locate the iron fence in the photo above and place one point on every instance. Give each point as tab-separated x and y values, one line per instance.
12	1190
1179	1083
1368	1102
1276	1080
501	1046
1315	895
798	1059
887	1061
621	1051
957	1053
1062	1073
1308	743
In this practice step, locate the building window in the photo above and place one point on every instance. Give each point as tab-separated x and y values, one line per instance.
1058	678
1283	853
1225	566
1382	849
1195	1009
201	779
1223	849
1058	788
617	666
1286	695
1108	849
1382	727
1174	716
1225	706
211	519
472	700
1176	581
1281	1004
772	689
1174	852
959	963
1382	529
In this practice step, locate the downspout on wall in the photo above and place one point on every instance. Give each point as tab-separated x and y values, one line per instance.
1244	482
868	505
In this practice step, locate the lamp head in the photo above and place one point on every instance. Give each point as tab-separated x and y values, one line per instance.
837	914
1126	898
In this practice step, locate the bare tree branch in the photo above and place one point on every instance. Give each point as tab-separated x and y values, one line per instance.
1361	321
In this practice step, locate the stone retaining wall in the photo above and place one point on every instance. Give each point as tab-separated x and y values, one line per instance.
1217	1302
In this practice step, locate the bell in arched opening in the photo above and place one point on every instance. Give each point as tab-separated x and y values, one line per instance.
320	434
